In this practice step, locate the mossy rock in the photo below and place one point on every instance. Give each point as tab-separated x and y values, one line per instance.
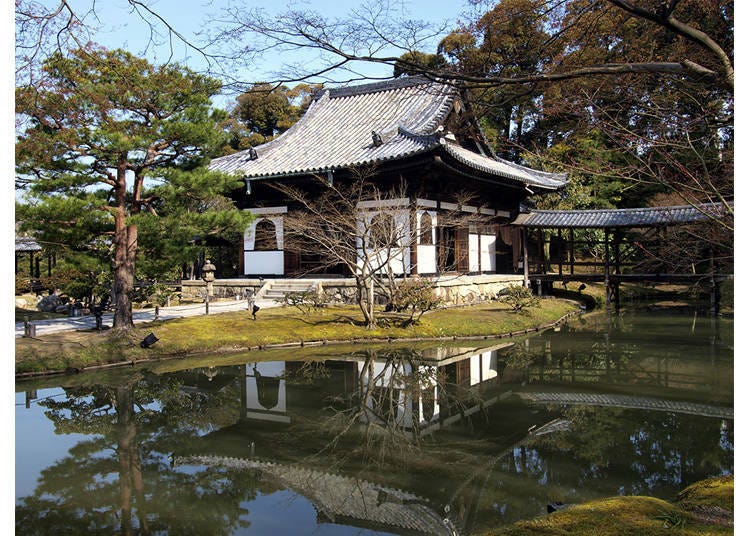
704	508
710	500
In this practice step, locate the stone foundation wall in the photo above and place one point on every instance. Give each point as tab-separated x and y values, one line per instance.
468	289
223	288
455	290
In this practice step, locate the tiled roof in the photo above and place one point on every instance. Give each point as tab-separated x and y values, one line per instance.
26	243
505	169
337	130
629	217
344	497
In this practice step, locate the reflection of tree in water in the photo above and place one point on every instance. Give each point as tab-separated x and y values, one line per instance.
616	449
119	479
382	416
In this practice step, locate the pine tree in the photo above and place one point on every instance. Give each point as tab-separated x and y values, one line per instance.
109	121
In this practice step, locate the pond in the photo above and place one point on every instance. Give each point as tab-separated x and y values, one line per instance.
396	439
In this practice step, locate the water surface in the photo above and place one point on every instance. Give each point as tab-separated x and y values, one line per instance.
394	440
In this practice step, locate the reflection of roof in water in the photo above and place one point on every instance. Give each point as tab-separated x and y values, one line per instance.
632	402
340	498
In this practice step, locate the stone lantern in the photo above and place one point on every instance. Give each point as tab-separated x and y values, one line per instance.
208	276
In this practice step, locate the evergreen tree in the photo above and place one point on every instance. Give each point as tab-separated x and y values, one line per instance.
109	141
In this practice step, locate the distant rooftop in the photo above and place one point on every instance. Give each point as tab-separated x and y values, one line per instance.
25	244
339	131
628	217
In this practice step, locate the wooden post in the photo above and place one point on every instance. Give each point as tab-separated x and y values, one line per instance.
413	247
525	235
560	252
571	253
714	289
616	243
479	249
540	250
606	265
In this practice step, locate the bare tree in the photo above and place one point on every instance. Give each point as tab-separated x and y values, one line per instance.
43	29
364	229
378	32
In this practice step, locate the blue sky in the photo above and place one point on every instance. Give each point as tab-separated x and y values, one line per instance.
120	27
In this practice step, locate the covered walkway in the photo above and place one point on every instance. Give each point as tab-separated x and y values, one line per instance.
617	248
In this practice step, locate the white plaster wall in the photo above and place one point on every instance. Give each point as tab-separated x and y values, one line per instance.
397	258
427	254
487	253
278	222
264	262
427	259
473	253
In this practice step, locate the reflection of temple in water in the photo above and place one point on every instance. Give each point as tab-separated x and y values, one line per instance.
416	394
340	499
289	413
406	392
264	391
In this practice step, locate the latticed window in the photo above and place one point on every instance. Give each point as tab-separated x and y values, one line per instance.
265	236
425	229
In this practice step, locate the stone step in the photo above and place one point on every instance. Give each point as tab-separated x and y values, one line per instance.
276	290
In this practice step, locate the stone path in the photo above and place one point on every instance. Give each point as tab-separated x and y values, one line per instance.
55	325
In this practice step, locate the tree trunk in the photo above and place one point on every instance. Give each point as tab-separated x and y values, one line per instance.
364	300
126	243
125	439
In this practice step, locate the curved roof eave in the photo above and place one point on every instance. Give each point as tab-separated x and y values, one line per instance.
505	169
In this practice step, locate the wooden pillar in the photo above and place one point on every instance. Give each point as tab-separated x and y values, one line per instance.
49	265
540	249
479	248
525	258
714	288
36	272
616	244
606	265
560	252
31	264
572	252
413	249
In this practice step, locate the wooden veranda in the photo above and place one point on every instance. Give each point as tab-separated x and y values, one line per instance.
614	223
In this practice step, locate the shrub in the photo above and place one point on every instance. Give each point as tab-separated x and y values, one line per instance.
23	285
304	301
415	296
518	297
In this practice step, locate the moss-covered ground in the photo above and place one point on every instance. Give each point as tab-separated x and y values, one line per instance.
705	508
237	331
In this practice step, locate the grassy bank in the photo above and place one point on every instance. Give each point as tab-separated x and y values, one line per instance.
237	331
705	508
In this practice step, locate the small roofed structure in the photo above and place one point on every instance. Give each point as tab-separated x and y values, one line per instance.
614	218
27	245
411	131
617	245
